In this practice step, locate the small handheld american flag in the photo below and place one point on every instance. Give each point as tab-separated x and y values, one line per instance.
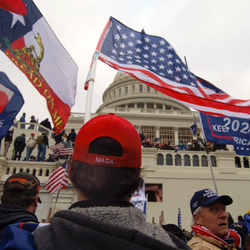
58	179
62	149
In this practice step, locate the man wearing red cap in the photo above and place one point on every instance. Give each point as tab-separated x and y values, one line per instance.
209	222
105	170
30	144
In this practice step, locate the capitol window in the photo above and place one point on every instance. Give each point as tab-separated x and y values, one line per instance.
196	161
126	90
167	134
186	160
185	135
169	160
178	160
141	88
150	105
140	105
149	132
120	91
213	160
204	162
159	106
160	159
133	89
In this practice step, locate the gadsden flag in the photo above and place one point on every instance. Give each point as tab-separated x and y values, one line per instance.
32	46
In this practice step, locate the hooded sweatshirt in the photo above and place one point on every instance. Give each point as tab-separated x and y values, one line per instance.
103	225
10	214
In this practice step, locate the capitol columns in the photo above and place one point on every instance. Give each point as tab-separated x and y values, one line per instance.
3	163
176	135
157	132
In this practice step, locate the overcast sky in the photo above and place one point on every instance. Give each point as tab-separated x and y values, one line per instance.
214	35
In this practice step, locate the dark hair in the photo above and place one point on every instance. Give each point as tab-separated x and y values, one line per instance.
17	196
240	218
230	219
104	182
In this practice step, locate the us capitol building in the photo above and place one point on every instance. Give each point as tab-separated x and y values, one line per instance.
171	177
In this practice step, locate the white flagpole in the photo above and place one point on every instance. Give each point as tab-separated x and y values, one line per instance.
90	81
209	159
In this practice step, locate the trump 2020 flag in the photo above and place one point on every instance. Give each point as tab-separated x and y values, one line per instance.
152	60
11	101
32	46
227	130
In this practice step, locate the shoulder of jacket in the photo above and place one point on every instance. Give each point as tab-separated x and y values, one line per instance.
197	243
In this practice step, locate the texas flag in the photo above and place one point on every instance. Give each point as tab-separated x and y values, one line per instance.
33	47
11	101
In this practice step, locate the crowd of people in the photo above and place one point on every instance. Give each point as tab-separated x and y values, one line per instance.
197	144
42	141
105	170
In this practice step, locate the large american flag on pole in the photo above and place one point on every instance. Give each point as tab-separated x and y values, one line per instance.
152	60
58	179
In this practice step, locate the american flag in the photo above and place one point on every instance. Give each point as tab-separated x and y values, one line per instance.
62	149
152	60
58	179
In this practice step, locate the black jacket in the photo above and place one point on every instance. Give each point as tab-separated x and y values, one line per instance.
72	136
9	136
10	214
45	140
46	124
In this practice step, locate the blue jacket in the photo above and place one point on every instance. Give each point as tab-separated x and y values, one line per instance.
247	221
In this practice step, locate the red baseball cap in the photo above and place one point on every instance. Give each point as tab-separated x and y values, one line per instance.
116	130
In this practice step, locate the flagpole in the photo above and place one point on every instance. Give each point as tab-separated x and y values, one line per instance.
90	82
208	156
58	192
209	159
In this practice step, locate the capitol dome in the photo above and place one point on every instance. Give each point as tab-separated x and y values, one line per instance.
128	92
